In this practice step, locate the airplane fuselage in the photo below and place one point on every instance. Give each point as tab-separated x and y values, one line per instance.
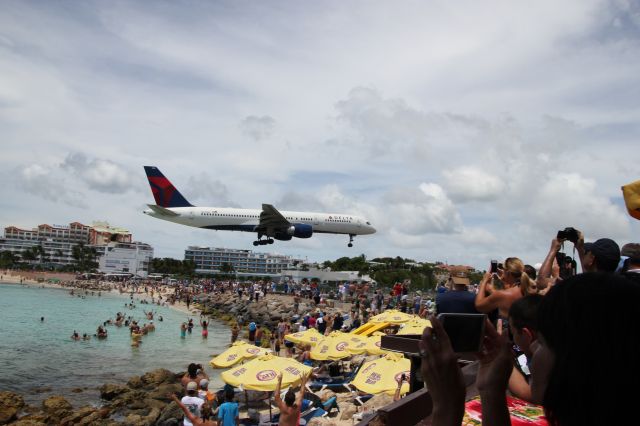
234	219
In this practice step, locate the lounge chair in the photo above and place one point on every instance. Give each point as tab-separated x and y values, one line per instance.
330	404
335	383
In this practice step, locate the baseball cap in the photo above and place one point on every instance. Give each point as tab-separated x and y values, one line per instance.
204	383
192	386
606	251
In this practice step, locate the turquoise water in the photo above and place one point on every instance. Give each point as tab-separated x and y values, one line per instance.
36	355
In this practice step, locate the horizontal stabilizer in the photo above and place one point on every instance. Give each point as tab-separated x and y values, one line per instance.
161	210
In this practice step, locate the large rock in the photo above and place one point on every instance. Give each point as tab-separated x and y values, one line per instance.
378	401
110	391
163	390
135	382
56	403
347	411
10	405
32	420
157	377
76	416
170	415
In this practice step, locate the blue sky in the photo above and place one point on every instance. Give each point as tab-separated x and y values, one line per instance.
465	131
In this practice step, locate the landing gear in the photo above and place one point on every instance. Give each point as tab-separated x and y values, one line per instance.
261	242
350	240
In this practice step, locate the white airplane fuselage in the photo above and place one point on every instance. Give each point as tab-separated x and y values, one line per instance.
234	219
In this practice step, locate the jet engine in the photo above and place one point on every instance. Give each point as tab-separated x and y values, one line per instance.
300	230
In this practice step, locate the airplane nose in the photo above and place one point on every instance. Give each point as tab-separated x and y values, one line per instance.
372	230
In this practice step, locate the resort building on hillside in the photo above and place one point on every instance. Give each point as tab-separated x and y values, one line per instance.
113	243
244	262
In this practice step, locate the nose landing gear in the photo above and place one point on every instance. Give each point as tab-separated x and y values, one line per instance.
350	240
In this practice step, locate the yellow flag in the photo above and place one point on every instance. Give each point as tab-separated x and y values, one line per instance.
631	193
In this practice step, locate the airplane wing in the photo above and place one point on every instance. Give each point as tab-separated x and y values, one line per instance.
271	219
161	210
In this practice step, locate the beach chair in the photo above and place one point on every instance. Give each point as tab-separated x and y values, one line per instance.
311	413
330	404
335	383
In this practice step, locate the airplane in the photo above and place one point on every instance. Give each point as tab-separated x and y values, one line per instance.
268	222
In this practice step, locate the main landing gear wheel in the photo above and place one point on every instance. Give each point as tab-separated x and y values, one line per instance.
261	242
350	240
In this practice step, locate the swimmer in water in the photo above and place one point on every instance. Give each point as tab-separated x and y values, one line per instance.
183	330
190	326
41	319
160	318
85	336
204	324
75	335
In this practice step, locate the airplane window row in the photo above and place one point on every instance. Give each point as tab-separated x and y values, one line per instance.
228	215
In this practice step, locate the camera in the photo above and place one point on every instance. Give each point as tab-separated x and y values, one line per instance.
494	266
570	234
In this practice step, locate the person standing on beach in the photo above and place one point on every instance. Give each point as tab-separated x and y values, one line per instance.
234	333
252	332
258	336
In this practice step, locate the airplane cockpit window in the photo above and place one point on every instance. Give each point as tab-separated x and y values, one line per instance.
368	223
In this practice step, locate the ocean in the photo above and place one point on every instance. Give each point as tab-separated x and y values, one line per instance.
39	359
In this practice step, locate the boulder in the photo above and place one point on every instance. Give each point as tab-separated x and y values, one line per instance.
110	391
378	401
135	382
77	415
347	411
157	377
170	414
34	420
160	392
56	406
10	405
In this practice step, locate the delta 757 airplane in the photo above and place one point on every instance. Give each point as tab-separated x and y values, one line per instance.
268	222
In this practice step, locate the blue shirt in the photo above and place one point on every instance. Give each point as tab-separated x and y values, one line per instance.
457	302
252	326
228	413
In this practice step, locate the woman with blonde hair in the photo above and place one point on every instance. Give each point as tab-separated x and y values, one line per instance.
516	284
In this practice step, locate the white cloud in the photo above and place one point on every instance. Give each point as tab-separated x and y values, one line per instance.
426	209
568	199
45	183
258	128
469	183
518	120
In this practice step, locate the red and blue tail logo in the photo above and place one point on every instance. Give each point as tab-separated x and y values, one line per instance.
165	194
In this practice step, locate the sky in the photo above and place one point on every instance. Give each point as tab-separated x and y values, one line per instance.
464	131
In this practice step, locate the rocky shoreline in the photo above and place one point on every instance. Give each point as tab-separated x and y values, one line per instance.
142	401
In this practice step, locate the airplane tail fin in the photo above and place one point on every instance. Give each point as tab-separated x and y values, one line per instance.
165	194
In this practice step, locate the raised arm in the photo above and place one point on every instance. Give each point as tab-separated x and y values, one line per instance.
281	405
303	383
542	281
487	303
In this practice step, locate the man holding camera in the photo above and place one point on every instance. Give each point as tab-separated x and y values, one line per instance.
602	255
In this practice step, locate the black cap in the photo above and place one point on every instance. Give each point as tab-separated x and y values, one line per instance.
607	253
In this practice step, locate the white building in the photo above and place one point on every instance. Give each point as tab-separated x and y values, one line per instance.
210	260
324	275
133	258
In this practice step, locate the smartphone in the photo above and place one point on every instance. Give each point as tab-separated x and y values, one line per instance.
494	266
466	331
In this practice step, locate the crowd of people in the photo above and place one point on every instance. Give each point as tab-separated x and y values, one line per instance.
576	335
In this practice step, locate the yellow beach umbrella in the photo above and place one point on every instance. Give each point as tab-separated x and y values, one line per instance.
261	373
392	316
415	326
238	351
308	337
381	375
334	346
370	344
